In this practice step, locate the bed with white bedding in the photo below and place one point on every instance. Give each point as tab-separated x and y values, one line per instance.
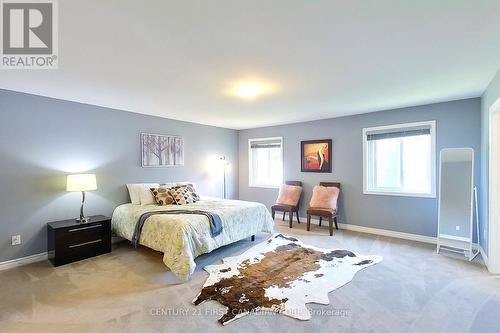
182	238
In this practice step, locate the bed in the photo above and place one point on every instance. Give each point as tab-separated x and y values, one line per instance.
182	238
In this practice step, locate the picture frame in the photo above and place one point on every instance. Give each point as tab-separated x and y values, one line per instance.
316	156
160	150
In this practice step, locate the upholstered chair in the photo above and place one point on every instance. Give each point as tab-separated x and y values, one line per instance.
324	203
288	200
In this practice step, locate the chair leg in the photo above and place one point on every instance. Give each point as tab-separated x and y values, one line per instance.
320	219
330	222
290	218
283	216
308	222
336	225
297	214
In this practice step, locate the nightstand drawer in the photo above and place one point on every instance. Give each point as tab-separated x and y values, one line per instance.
80	234
84	250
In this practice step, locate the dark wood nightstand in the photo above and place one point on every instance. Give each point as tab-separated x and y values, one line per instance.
69	241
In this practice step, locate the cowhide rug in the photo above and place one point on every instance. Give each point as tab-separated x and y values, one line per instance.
280	275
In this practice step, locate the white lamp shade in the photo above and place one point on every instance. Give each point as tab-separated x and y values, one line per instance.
81	183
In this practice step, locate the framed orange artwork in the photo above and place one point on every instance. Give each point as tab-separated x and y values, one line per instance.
316	155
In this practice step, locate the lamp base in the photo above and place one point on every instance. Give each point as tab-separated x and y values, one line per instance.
83	220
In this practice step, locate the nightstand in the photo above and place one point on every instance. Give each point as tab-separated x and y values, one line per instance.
69	241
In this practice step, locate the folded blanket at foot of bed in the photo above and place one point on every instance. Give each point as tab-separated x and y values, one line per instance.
213	219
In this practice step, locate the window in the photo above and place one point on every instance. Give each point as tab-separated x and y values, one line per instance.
400	159
266	162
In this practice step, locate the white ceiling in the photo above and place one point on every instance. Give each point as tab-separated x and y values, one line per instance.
328	58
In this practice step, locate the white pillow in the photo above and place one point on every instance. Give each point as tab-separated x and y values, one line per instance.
140	194
134	196
145	195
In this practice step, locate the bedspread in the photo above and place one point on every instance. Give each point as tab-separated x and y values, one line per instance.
182	238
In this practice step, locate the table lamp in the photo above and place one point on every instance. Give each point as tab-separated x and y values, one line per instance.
81	183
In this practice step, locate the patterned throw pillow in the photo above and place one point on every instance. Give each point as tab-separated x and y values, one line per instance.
193	192
183	194
162	195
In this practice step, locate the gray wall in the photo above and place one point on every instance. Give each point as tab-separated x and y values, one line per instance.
43	139
458	125
489	97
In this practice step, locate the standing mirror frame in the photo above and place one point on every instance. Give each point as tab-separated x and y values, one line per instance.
457	196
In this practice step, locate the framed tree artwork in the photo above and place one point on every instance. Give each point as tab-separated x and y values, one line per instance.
161	150
316	155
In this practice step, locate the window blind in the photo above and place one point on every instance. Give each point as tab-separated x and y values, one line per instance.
398	134
271	143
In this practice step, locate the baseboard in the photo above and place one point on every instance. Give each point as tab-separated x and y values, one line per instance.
379	232
37	257
390	233
23	261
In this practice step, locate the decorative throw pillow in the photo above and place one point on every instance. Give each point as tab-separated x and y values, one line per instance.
324	197
193	191
192	187
185	183
162	196
183	194
289	195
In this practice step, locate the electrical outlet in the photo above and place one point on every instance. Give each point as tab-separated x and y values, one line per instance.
457	228
16	240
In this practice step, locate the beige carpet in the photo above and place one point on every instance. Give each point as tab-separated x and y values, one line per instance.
412	290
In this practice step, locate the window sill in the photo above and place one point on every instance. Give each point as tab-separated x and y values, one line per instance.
396	194
265	186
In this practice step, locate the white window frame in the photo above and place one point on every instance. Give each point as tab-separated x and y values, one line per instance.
366	131
250	162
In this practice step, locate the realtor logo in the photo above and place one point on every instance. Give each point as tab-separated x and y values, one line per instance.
29	34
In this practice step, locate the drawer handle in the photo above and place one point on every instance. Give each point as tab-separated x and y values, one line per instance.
86	243
84	228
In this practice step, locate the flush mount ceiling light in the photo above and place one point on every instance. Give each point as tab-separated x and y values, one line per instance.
250	89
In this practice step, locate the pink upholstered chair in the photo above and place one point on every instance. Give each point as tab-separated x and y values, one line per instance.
288	200
326	206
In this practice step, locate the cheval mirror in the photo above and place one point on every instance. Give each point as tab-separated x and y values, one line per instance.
457	195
